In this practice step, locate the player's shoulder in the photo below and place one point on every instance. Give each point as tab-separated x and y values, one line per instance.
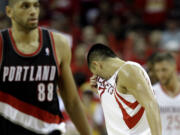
128	72
60	41
59	38
131	71
133	64
131	67
56	36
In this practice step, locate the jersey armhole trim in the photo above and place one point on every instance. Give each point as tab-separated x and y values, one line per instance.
54	51
1	49
36	52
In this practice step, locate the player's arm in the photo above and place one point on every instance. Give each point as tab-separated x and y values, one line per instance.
136	84
68	89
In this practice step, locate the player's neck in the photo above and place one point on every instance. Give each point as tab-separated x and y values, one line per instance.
21	35
173	87
114	64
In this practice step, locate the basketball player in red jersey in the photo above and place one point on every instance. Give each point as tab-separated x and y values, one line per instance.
33	61
126	94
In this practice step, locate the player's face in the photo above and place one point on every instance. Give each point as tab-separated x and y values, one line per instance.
25	13
97	68
164	71
94	68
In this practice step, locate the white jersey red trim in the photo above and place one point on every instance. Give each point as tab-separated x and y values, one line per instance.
123	114
169	111
130	121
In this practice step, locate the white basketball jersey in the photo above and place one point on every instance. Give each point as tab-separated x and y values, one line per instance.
169	110
123	114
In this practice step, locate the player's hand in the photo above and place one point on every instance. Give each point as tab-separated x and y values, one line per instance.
93	82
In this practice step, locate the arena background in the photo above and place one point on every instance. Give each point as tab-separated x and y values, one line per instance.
134	29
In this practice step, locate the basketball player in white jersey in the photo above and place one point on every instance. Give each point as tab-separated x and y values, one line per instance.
126	94
167	91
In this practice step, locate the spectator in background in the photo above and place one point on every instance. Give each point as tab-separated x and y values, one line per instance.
101	38
4	22
60	23
93	109
171	39
153	12
175	10
88	11
171	36
150	69
45	15
167	92
79	64
3	4
88	35
135	47
67	7
154	40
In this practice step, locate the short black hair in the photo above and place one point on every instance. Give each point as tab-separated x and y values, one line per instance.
11	2
163	56
99	52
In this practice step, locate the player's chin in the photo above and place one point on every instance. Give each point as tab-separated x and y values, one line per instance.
163	82
32	27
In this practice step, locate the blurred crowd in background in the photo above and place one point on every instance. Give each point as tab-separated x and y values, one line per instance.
134	29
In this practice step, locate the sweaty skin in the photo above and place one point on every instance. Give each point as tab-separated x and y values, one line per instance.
67	86
24	16
131	80
168	78
139	87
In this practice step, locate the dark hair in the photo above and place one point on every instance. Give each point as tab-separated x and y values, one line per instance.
163	56
11	2
99	52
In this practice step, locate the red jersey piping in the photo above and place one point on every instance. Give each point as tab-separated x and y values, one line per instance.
129	104
54	52
29	109
130	121
21	53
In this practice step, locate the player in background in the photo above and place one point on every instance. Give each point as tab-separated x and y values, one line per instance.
126	94
167	91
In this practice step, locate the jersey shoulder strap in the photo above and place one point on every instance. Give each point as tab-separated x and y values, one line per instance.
1	49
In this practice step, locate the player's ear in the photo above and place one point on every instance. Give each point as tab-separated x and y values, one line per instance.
9	11
94	65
